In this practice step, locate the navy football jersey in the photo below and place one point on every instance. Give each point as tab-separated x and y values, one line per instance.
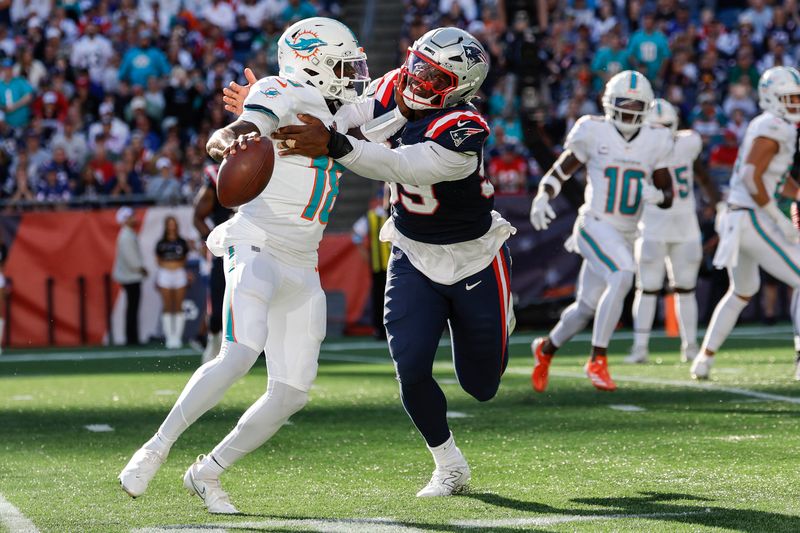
447	212
172	250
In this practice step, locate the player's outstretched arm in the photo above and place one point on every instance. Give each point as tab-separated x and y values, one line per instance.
550	185
224	139
417	164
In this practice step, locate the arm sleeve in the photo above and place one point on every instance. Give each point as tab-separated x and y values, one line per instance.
268	103
417	164
579	139
775	129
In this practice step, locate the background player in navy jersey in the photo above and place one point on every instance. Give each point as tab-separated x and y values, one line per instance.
449	264
207	206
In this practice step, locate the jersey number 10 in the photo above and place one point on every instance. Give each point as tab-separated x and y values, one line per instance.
628	200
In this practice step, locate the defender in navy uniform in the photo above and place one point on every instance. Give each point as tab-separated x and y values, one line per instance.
206	205
450	265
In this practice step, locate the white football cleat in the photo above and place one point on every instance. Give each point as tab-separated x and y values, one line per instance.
689	352
638	355
137	474
446	481
208	489
701	367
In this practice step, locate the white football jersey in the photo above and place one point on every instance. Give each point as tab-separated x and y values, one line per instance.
290	215
679	222
616	169
772	127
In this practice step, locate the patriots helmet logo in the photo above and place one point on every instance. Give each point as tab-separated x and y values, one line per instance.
474	55
460	135
305	44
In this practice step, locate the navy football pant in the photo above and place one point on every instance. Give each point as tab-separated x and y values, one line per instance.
416	313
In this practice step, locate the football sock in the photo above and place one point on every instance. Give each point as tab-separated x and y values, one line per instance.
794	309
160	444
722	321
687	317
2	329
260	422
166	327
425	403
573	319
210	468
207	386
447	454
180	322
644	311
610	307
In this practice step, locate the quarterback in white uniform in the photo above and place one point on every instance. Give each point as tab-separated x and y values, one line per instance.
626	164
753	231
671	238
273	300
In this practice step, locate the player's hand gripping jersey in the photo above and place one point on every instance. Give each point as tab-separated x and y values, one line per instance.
290	215
772	127
617	169
679	222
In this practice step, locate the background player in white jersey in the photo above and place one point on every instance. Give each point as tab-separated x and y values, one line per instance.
274	301
753	231
626	165
670	240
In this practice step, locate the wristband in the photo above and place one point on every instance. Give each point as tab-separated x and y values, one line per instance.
338	144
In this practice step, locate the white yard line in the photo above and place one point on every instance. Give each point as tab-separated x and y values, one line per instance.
380	525
676	383
13	519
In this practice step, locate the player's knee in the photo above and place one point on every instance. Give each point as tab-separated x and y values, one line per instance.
482	391
291	398
621	280
236	358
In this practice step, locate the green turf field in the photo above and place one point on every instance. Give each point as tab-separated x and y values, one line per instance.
660	454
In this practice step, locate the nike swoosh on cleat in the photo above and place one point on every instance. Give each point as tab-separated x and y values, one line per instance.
199	493
470	287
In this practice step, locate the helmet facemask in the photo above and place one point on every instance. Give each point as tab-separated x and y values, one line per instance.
426	83
627	114
350	79
790	102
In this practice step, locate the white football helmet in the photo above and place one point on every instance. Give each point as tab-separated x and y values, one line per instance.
325	54
621	90
779	92
662	112
444	68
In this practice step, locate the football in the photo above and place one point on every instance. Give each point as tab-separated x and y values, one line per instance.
243	175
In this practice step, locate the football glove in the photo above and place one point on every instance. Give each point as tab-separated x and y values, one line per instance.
541	212
651	194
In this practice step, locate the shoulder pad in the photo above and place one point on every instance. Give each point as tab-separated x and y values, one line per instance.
462	131
382	91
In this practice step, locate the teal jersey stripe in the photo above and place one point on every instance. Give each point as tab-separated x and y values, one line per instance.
603	257
773	244
261	109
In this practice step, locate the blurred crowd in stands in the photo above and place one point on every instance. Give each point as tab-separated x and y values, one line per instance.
116	98
113	99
